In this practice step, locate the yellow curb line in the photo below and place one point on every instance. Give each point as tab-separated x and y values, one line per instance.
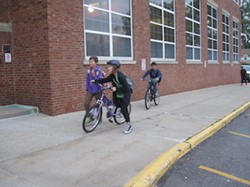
151	173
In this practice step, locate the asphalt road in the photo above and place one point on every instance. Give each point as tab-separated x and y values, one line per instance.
222	160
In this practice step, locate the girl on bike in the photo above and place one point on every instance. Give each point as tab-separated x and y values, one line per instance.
121	91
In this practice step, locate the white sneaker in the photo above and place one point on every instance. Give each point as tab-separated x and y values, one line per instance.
127	129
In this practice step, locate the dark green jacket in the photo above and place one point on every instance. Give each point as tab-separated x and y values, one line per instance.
122	89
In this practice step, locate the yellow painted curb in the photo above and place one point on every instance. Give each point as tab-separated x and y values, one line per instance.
149	175
209	131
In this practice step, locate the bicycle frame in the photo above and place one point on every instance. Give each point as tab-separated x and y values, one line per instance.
93	116
151	86
104	100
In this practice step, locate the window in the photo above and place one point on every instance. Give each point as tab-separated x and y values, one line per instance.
212	33
225	37
108	28
193	35
162	29
235	41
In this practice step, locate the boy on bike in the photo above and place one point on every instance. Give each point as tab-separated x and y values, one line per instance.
155	75
121	91
93	73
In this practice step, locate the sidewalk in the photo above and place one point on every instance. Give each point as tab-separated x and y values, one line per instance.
41	150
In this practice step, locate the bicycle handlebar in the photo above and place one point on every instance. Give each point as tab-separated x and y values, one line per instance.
102	86
150	80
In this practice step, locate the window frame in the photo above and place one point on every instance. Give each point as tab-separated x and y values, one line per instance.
214	29
237	39
163	27
110	33
224	35
193	34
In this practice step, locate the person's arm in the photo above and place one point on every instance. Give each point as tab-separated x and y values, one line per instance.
146	74
103	80
87	80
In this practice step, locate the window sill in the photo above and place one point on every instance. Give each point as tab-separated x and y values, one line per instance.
102	62
198	62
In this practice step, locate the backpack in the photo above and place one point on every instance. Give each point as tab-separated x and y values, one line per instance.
129	81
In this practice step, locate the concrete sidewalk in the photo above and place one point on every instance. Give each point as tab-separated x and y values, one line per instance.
40	150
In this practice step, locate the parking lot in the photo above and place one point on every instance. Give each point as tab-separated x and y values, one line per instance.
222	160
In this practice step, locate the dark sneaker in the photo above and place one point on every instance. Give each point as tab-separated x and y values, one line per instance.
127	129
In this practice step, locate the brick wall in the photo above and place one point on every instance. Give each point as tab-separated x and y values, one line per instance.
30	53
48	53
6	69
65	24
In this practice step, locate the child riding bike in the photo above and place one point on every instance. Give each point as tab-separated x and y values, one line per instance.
154	74
121	91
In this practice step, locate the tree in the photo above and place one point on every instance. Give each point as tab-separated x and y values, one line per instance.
245	16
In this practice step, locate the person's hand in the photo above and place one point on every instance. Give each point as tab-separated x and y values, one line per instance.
113	89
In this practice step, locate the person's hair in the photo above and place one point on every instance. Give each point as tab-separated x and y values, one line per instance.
95	58
153	63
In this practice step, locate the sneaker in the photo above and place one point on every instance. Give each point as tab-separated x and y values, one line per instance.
127	129
88	119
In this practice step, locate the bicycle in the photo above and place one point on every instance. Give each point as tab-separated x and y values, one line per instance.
151	94
93	116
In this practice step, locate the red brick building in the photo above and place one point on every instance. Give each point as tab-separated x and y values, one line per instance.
195	43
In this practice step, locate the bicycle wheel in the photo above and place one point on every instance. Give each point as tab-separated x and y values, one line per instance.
157	98
92	119
119	118
148	99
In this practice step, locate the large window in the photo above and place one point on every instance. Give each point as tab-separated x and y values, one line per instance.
225	37
162	25
212	33
235	41
193	31
108	28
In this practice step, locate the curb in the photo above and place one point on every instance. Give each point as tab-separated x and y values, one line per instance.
151	173
16	110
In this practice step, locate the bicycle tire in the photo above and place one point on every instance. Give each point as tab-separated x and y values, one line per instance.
92	119
157	99
148	99
119	118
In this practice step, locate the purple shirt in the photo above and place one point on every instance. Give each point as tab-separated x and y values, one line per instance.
93	74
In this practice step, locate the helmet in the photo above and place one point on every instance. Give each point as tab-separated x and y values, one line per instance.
114	63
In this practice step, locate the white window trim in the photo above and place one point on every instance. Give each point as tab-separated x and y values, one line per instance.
225	13
103	62
165	26
191	61
236	62
212	61
110	34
